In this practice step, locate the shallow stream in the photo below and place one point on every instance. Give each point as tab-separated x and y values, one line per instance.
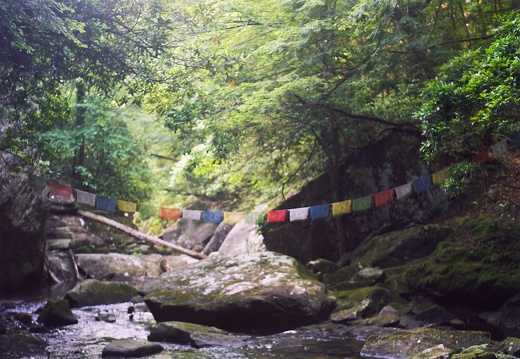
88	338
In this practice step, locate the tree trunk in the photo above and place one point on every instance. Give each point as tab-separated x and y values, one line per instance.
79	158
140	235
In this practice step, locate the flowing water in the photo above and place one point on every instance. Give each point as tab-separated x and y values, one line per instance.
88	338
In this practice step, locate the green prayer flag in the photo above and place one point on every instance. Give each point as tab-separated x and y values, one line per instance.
362	203
148	211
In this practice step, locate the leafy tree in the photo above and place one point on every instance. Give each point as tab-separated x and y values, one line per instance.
474	100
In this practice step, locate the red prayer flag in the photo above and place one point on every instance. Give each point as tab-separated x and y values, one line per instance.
61	190
481	157
276	216
170	213
384	197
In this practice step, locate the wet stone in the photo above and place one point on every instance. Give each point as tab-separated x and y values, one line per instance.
130	348
57	313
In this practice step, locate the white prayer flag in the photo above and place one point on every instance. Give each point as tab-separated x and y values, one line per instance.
403	191
298	214
191	214
87	198
500	148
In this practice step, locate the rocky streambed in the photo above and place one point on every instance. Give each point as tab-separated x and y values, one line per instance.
258	305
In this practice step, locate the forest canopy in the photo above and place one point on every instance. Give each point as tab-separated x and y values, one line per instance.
247	98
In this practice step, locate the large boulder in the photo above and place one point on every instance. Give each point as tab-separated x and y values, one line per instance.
117	265
23	212
260	292
385	164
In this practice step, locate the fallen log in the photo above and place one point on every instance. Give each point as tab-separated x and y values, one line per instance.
140	235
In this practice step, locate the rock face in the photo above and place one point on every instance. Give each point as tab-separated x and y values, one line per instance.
23	212
261	292
391	162
242	239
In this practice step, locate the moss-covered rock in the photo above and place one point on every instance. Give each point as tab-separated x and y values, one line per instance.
93	292
477	265
198	336
359	303
412	343
263	292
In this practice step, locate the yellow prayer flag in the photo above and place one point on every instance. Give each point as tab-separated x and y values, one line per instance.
216	42
233	217
128	207
340	208
232	84
440	176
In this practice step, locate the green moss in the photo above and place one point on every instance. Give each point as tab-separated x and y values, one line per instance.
478	264
348	298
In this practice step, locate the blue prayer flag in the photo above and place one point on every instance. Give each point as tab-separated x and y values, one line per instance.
212	217
106	204
319	212
422	184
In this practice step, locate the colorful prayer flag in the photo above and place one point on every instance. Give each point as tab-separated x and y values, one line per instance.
87	198
170	213
147	211
440	176
422	184
298	214
340	208
384	197
500	148
233	217
191	214
514	140
320	212
61	190
212	217
105	203
403	190
277	215
254	217
127	207
362	203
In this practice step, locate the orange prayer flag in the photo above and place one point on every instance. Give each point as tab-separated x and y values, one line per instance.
170	213
232	84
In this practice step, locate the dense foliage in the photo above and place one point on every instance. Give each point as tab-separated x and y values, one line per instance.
258	96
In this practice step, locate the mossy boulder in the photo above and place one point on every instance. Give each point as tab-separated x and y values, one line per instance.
404	344
260	292
198	336
93	292
359	303
476	266
131	348
399	247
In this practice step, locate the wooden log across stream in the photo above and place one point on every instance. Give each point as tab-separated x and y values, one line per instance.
140	235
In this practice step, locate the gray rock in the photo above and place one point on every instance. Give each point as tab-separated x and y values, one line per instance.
198	336
131	348
190	234
265	292
57	313
100	266
93	292
218	238
242	239
323	266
